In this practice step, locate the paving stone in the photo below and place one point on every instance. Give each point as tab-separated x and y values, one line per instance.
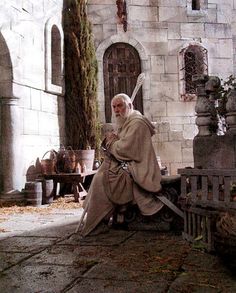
56	230
40	278
52	258
112	237
198	281
25	244
114	286
201	261
9	259
63	255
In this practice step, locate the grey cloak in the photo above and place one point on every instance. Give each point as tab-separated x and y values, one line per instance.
134	145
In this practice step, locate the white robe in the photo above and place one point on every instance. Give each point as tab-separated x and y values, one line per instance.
135	147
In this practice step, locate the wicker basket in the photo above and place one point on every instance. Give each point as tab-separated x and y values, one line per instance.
70	163
48	165
66	160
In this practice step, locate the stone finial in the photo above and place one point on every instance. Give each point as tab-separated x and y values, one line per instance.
212	88
231	110
203	119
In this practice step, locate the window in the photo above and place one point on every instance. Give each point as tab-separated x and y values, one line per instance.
196	8
56	56
53	56
193	60
195	4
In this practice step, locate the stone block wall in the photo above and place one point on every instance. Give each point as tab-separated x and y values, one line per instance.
159	30
25	45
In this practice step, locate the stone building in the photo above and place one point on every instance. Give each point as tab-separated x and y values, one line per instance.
31	87
168	40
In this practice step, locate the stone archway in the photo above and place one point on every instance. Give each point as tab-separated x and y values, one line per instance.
9	121
121	67
145	68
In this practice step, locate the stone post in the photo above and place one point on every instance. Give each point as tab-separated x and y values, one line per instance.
212	88
203	106
231	111
11	145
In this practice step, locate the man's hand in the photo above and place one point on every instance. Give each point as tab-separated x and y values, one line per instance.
110	137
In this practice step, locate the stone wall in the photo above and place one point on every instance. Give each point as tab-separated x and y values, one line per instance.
159	30
32	107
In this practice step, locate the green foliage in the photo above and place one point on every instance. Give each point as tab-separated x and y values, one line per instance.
233	188
225	88
82	126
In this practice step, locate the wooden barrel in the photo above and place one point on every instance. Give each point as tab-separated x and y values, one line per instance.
33	193
12	197
47	189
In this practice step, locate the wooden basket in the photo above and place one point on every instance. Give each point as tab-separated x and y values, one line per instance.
48	165
66	160
70	163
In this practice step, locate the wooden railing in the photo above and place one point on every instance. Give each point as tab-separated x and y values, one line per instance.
209	187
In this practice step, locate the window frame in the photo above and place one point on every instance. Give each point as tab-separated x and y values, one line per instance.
184	96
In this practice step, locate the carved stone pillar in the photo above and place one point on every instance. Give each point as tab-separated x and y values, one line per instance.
231	111
212	88
11	152
203	106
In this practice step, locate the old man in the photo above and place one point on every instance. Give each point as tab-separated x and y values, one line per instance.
129	172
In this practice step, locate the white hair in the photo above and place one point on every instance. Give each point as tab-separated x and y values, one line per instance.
125	98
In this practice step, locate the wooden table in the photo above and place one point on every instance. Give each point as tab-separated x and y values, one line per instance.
77	181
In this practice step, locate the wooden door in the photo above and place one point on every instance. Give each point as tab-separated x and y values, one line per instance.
121	67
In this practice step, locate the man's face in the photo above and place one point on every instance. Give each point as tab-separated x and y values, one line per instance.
120	108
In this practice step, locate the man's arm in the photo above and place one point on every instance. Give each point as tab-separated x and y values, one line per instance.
129	146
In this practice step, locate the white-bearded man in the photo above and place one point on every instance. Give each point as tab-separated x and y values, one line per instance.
129	173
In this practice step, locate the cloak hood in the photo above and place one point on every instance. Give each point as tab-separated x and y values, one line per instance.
137	115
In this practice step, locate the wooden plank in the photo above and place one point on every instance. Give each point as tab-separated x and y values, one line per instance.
185	221
227	184
193	183
183	186
194	225
207	172
198	223
189	231
170	205
204	230
215	188
204	187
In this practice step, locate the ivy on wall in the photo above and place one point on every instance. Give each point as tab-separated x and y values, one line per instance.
82	126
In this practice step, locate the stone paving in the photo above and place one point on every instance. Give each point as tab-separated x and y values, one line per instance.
42	253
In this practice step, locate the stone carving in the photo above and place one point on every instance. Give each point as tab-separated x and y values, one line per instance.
206	88
122	13
212	89
203	106
231	111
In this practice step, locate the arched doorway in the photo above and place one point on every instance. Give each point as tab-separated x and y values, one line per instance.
121	67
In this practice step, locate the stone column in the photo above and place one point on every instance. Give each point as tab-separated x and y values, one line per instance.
11	144
212	88
203	105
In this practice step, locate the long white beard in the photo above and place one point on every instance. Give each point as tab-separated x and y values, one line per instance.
120	120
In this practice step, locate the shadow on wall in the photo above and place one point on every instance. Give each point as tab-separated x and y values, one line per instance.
6	77
34	171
